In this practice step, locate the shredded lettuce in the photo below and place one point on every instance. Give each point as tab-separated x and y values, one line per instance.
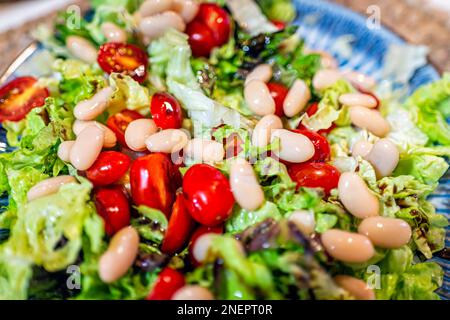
278	10
128	94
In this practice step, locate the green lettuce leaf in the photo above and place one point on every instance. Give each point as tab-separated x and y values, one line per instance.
150	224
242	219
128	94
278	10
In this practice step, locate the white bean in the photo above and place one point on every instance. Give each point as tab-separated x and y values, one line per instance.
356	196
347	246
258	98
370	120
155	26
245	186
389	233
358	99
82	49
167	141
294	147
192	292
325	78
138	131
64	150
356	287
113	33
87	147
120	255
48	186
384	157
262	72
297	98
204	150
263	130
110	137
360	80
152	7
201	246
304	220
361	148
91	108
187	9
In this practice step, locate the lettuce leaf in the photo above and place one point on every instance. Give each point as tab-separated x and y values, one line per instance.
278	10
242	219
128	94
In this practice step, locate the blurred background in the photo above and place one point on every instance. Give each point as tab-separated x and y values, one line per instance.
425	22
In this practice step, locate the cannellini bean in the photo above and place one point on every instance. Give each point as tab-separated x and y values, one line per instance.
263	73
204	150
258	98
120	255
167	141
138	131
361	148
360	80
304	220
384	157
87	147
245	186
64	150
48	186
155	26
187	9
201	246
82	49
356	196
294	147
110	137
192	292
371	120
152	7
358	99
297	98
263	130
325	78
356	287
93	107
113	33
347	246
389	233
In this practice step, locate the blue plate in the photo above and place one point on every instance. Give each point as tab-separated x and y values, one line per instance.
322	23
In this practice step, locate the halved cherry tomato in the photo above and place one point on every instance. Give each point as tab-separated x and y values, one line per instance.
119	123
280	25
208	194
201	230
315	175
168	282
179	228
109	167
278	92
19	96
166	111
210	28
322	147
123	58
112	205
312	109
153	181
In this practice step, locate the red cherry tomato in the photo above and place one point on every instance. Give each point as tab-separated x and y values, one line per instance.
179	228
19	96
109	167
278	92
168	282
280	25
119	123
112	205
208	194
201	39
123	58
153	181
312	109
315	175
201	230
166	111
322	147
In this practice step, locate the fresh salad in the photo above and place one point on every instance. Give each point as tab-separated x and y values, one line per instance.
183	149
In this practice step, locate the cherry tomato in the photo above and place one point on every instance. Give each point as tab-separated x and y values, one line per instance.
153	181
321	145
168	282
201	230
280	25
315	175
312	109
123	58
201	39
179	228
112	205
166	111
19	96
278	92
109	167
208	194
119	123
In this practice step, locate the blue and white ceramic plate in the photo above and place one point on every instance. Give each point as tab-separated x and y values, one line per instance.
323	24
